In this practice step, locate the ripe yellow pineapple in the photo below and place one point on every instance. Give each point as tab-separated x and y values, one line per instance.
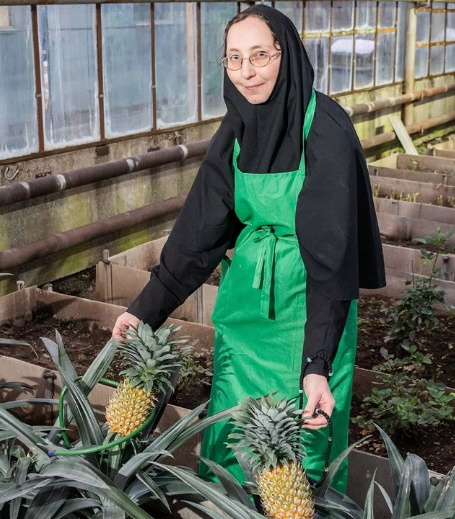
151	357
268	448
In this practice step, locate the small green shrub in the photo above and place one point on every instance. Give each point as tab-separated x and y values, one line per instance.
405	399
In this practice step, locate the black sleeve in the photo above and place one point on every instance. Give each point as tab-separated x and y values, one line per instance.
205	228
326	319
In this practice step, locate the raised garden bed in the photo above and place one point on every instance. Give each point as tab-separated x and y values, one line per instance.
413	163
444	149
19	309
417	210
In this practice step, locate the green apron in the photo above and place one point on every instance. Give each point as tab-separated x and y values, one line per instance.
260	315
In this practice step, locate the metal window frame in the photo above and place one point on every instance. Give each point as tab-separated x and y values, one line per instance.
330	34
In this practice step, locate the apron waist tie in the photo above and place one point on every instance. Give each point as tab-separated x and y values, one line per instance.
265	265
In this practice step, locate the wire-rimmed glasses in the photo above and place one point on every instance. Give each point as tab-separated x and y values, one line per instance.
257	59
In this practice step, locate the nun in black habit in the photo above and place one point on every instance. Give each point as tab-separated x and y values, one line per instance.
285	182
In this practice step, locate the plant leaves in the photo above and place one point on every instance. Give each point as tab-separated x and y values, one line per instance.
209	491
230	484
46	503
334	466
395	459
77	504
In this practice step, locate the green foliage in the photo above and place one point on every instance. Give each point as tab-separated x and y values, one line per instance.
151	356
39	481
416	312
405	399
196	367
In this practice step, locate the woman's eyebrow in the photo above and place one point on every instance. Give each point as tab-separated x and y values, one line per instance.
251	48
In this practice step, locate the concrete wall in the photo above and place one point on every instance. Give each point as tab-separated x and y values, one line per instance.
26	222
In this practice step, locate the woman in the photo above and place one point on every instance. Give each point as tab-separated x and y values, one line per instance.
284	180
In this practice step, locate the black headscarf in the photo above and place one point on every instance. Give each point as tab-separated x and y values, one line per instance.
335	222
270	143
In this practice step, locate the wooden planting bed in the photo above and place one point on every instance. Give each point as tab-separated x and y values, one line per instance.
121	280
21	307
445	149
412	164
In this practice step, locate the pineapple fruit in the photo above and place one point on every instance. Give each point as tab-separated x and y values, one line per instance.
268	447
151	357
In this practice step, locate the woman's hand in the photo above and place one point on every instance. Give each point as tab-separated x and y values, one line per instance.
122	323
319	395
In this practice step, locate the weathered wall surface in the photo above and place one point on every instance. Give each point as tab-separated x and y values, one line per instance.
34	220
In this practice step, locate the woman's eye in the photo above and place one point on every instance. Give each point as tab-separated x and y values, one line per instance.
234	57
260	54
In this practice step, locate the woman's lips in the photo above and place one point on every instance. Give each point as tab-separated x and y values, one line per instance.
253	87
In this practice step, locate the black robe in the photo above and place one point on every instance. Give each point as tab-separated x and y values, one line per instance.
336	223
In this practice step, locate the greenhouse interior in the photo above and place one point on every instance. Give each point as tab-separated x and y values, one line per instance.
227	288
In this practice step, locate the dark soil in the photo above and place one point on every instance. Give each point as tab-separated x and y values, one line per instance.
82	342
445	249
215	277
81	284
438	340
437	447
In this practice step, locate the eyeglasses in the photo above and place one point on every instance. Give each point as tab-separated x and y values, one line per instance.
257	59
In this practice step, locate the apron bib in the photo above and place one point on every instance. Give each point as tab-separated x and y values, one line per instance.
260	315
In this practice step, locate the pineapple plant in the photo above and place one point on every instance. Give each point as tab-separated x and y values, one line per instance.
269	448
151	358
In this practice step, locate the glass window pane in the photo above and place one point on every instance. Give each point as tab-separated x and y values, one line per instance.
401	41
364	52
386	14
436	60
214	17
127	68
317	49
423	26
438	21
340	77
175	63
68	74
292	10
18	124
343	16
450	30
385	52
317	16
422	62
450	58
366	15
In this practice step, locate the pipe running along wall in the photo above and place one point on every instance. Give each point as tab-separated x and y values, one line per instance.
20	191
61	241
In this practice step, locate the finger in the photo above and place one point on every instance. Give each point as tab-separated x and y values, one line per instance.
119	328
311	406
314	427
315	422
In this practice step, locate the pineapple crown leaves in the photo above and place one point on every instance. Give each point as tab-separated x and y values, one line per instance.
152	356
268	431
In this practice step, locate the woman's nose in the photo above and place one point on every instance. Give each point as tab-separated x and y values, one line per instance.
247	69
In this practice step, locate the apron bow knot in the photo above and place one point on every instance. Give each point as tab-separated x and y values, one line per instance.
264	265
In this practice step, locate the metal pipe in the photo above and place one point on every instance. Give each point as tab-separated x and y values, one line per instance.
64	240
58	242
20	191
381	104
61	241
419	127
409	59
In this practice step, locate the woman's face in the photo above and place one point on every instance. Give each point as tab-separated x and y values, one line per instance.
243	39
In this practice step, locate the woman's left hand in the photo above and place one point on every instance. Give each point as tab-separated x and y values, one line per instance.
319	395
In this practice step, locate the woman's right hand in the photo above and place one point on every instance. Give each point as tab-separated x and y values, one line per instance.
122	323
